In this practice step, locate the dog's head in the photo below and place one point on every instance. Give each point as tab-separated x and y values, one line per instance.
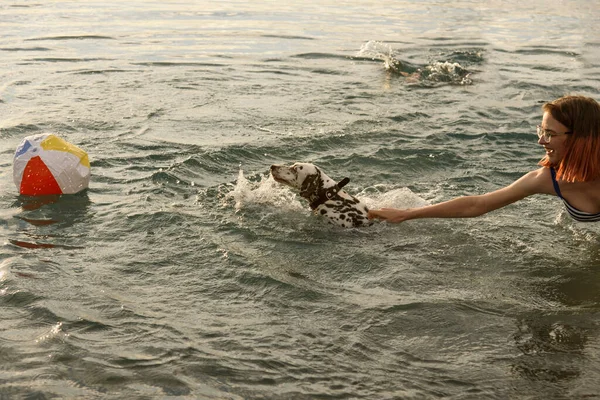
306	178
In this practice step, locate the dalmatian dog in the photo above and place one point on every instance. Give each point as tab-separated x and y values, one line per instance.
326	197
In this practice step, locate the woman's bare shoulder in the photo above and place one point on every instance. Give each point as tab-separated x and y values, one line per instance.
538	181
541	173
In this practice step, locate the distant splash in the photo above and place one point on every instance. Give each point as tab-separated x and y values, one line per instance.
383	52
267	191
437	72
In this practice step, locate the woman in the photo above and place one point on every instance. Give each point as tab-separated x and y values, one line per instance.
570	134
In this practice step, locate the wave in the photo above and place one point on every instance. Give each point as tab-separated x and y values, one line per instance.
177	64
291	37
25	49
71	37
66	59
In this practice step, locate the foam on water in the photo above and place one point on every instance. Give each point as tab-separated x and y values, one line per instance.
448	72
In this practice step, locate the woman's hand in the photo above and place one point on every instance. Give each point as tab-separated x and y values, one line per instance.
393	215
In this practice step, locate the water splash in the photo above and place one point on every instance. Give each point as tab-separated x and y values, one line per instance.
382	197
384	52
265	191
378	51
55	331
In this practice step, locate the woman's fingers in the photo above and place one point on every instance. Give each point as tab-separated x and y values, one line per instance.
388	214
383	213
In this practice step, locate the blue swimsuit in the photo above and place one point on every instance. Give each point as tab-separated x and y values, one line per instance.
577	215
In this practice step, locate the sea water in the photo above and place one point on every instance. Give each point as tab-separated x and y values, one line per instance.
186	271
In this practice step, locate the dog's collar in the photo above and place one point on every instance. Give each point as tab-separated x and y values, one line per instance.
328	194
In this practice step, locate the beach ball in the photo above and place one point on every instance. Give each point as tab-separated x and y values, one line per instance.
45	164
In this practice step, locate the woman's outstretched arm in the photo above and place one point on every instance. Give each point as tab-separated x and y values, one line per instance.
472	206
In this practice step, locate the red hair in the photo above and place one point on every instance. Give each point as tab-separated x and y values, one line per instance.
581	116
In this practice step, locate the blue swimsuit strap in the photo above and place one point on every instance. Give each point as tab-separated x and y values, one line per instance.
573	212
555	183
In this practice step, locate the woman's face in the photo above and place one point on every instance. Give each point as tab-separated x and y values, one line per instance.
555	148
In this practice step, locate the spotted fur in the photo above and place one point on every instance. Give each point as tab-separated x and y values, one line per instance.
325	196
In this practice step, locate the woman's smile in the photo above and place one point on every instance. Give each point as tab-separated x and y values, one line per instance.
554	143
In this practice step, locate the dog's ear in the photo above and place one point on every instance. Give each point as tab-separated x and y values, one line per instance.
310	186
343	182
